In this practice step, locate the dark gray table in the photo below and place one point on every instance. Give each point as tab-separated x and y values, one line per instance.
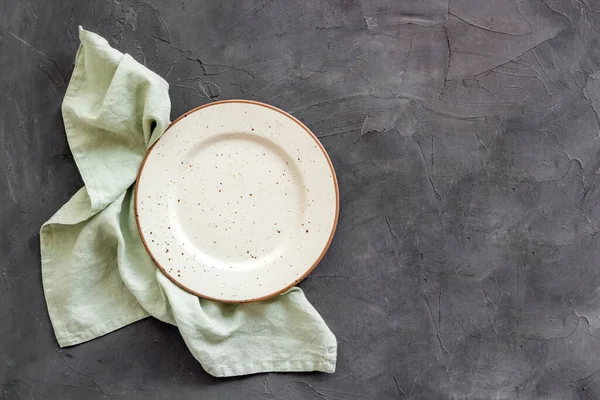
465	136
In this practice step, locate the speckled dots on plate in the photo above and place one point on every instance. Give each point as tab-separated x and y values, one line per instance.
237	201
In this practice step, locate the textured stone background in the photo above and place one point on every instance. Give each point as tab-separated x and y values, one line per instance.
465	135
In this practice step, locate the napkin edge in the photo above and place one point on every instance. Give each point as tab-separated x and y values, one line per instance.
326	364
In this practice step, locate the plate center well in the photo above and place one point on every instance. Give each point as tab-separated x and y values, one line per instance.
238	200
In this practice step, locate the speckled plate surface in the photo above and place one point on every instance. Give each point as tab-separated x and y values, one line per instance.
237	201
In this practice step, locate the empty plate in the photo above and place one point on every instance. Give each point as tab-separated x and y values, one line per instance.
237	201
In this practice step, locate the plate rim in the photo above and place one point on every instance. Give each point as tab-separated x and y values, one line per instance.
335	184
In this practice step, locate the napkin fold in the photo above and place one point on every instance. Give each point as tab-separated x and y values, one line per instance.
96	273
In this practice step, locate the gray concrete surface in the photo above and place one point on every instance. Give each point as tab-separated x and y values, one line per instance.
465	135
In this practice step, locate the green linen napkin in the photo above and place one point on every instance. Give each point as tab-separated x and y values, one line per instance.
96	273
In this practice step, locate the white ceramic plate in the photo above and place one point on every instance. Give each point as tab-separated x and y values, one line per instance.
237	201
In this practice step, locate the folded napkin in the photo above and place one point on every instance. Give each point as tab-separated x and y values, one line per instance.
97	275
